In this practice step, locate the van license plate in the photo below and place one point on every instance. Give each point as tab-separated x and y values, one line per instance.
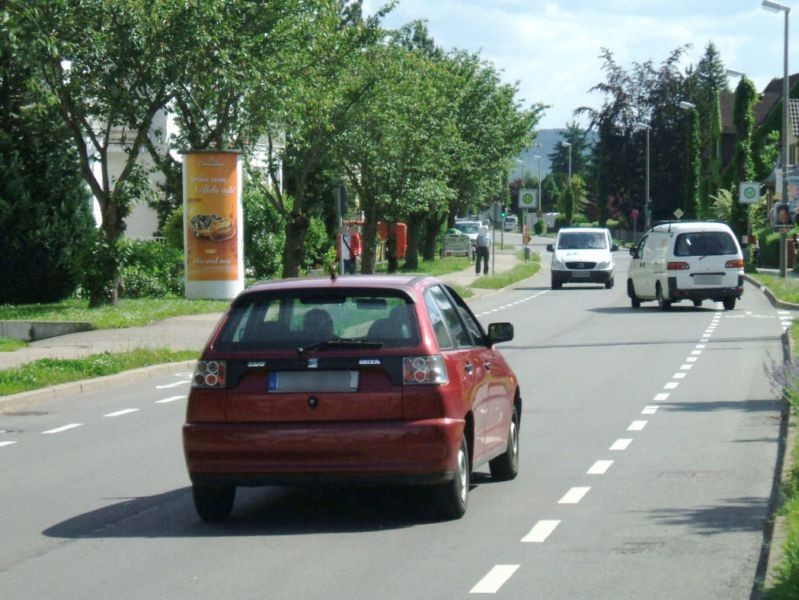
707	279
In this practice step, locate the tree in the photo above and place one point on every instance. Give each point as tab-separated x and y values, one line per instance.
580	150
692	164
45	216
743	163
108	67
711	79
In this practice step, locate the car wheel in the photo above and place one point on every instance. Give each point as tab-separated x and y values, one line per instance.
635	301
452	497
506	466
729	303
556	285
609	283
697	303
662	302
212	503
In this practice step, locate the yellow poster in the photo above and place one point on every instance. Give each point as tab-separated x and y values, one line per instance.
211	188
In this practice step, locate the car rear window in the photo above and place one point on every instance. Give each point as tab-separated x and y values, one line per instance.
342	318
705	243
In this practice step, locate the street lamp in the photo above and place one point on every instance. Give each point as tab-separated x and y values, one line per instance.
775	7
647	200
685	105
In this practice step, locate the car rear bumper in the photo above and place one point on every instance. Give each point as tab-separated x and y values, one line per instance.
697	293
392	452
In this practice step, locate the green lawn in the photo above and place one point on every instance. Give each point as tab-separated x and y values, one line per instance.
786	289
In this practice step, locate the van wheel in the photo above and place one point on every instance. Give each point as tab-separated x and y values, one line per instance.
635	301
556	285
662	302
729	303
609	283
697	303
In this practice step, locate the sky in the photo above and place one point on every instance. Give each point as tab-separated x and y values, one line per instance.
552	47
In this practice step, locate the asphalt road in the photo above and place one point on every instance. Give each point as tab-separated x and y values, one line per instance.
648	447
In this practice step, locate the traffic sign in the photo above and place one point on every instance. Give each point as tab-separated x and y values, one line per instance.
679	213
748	192
528	198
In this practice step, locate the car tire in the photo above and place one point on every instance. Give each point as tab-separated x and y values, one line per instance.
609	283
213	503
697	303
729	303
662	302
506	466
635	301
452	497
556	285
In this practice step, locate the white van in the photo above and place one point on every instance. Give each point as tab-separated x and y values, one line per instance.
582	255
694	261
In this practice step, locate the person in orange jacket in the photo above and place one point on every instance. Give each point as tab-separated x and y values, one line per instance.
348	247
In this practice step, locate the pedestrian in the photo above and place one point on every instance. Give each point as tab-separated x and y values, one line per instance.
481	251
348	248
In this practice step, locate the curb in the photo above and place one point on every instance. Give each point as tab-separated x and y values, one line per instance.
770	295
33	397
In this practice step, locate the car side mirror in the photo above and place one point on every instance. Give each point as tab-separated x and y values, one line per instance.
634	252
500	332
614	248
550	248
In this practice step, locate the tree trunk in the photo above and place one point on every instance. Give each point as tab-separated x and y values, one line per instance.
106	279
369	241
414	234
431	229
294	248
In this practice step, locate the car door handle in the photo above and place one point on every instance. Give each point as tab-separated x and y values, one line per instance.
469	368
488	364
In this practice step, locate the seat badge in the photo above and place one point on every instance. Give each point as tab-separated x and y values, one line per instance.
313	363
369	361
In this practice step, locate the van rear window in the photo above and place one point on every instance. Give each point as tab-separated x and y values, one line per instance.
705	243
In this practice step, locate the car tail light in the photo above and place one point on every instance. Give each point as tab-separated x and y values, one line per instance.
424	369
677	266
736	263
209	374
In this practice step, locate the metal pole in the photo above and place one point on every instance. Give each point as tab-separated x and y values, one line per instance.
540	199
785	101
647	201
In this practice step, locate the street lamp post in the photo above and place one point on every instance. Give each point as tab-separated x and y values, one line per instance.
540	199
775	7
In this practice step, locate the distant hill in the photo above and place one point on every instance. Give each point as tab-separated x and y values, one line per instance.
548	138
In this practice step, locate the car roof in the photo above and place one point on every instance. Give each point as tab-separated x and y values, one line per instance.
395	282
689	226
583	230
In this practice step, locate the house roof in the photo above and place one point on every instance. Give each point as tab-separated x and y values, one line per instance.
762	109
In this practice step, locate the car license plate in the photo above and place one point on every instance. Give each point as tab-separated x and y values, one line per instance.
312	381
581	274
712	279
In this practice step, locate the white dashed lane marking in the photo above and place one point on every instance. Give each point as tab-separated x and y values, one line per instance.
650	410
621	444
124	411
171	385
6	444
64	428
574	495
170	399
600	467
541	531
637	426
494	580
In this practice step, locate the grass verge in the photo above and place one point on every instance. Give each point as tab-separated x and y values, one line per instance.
518	273
127	313
786	289
9	345
47	372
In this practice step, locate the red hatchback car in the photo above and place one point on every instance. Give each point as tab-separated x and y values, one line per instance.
356	380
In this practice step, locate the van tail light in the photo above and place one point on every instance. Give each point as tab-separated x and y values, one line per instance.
678	266
424	369
737	263
209	374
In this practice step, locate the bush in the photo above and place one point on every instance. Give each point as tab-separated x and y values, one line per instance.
561	221
173	229
151	269
613	224
264	235
538	227
769	242
579	219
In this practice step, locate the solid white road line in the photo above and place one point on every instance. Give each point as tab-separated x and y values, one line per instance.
6	444
494	580
574	495
637	426
170	399
124	411
541	531
649	410
600	467
64	428
621	444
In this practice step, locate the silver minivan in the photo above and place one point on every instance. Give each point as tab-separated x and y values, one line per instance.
693	261
582	255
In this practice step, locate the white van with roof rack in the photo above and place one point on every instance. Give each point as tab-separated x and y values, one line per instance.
686	260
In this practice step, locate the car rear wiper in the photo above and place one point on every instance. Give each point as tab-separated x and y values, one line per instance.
341	344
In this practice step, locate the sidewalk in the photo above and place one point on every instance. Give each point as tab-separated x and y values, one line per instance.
181	333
